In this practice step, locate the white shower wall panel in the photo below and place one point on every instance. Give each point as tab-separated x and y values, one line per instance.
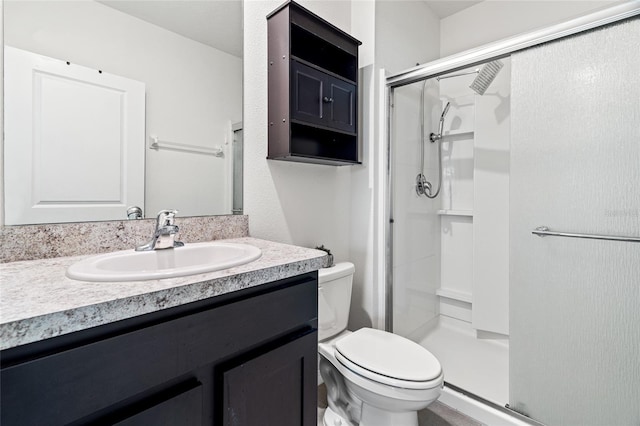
416	228
491	205
461	115
406	150
457	164
457	254
457	153
458	87
456	232
415	302
414	215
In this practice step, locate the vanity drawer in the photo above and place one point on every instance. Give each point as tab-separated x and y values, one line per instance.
85	383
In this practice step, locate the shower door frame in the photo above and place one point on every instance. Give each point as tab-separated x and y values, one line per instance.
477	56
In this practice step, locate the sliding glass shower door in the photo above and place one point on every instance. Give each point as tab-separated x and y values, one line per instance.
575	168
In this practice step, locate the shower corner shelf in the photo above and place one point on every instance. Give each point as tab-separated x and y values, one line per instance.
454	212
455	295
465	132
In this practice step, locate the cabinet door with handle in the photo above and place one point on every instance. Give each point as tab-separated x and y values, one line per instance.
319	98
340	101
277	388
184	408
307	93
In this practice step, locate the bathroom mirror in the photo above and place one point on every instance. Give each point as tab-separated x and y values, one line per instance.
150	90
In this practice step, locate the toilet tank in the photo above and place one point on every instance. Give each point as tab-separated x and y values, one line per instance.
334	299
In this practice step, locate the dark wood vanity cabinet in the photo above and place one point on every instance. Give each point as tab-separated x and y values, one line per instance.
313	89
244	358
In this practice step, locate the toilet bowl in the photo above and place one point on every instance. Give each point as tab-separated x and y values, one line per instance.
373	378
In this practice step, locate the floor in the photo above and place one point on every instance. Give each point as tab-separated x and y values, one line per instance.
477	365
437	414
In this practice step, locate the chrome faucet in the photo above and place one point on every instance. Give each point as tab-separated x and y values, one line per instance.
165	233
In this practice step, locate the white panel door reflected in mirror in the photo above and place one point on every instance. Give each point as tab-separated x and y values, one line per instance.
74	141
188	54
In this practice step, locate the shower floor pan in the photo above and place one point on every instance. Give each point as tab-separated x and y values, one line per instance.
479	366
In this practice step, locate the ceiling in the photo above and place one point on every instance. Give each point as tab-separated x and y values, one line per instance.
218	23
215	23
444	8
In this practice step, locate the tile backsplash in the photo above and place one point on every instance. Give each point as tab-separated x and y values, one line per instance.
31	242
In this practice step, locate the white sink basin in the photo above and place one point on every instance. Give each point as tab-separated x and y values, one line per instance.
131	265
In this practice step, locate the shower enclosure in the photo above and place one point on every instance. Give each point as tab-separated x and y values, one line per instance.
450	239
486	274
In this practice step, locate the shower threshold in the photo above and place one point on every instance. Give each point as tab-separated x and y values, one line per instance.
482	410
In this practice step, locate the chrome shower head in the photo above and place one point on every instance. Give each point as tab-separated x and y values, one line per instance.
445	111
436	137
486	76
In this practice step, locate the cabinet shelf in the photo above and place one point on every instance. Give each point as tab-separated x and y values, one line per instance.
312	65
315	50
313	89
320	126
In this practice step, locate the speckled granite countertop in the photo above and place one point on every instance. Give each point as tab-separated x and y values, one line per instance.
37	300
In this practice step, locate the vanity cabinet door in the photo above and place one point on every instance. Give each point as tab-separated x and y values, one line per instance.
167	364
276	388
185	408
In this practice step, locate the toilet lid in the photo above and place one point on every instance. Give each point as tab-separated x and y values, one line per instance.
389	355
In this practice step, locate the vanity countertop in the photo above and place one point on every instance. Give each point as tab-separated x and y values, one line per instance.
37	300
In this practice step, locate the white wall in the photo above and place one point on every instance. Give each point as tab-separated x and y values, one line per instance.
193	90
2	113
339	207
493	20
406	33
303	204
363	243
456	229
491	205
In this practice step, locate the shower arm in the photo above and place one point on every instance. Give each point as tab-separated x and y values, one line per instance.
444	77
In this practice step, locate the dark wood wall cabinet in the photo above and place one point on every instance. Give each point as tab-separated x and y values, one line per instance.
242	359
313	89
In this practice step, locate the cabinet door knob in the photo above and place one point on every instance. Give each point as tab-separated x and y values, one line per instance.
327	100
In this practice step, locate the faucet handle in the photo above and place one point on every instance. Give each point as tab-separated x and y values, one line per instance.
165	218
134	212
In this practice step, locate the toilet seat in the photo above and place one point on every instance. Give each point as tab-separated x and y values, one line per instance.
388	359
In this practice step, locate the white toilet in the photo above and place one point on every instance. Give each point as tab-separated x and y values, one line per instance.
373	378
